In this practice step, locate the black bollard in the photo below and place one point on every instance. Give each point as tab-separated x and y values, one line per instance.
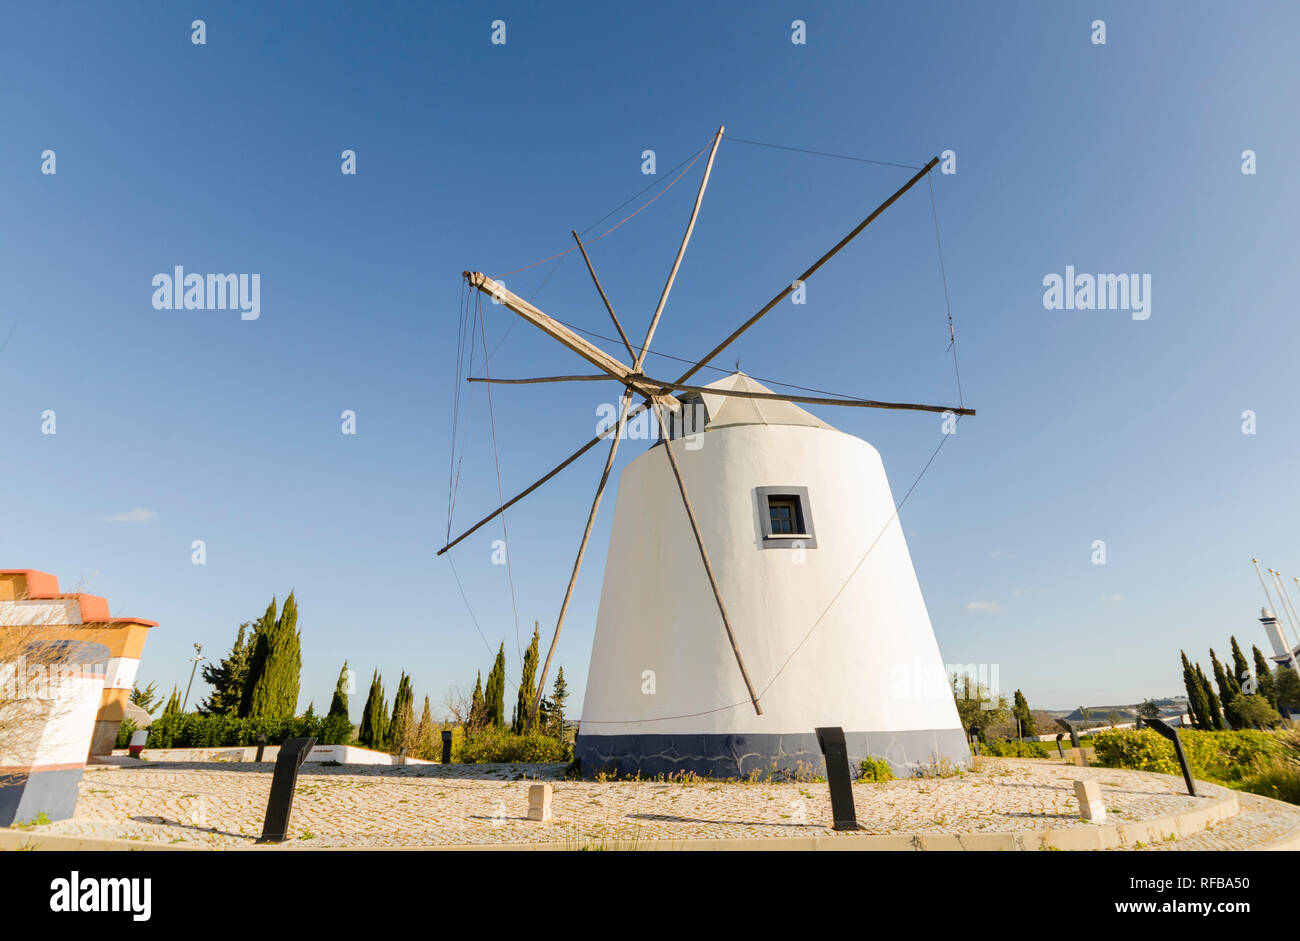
1074	736
838	777
446	746
279	805
1171	733
1059	750
261	746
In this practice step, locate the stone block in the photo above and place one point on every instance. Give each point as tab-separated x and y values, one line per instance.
539	802
1090	805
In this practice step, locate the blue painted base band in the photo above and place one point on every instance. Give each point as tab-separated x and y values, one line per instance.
25	795
736	756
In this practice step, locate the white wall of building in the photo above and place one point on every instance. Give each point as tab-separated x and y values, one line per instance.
871	664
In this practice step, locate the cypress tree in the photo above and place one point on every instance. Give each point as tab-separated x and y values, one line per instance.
374	717
559	693
173	707
339	704
1267	686
477	707
494	694
276	668
264	626
523	717
1020	711
401	729
1288	689
287	659
1239	664
336	727
1228	690
1215	713
229	677
427	741
1197	703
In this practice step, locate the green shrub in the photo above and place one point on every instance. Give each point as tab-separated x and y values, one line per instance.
192	730
334	730
1277	777
1222	756
1013	748
875	769
502	745
124	733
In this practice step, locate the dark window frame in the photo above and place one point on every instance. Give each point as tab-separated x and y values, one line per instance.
806	539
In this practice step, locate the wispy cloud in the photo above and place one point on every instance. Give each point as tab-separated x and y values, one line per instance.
999	554
138	515
1112	599
983	607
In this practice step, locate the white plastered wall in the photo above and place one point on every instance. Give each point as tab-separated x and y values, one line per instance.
871	664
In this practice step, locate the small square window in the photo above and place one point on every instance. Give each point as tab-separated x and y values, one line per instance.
785	518
783	514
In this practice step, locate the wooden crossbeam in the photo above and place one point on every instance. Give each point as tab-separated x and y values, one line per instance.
604	377
712	354
635	411
811	400
627	344
708	567
740	393
582	550
686	240
558	331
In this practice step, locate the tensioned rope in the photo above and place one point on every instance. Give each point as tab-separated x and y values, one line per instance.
952	333
822	153
464	346
703	365
453	484
684	165
486	645
496	457
627	218
455	409
559	257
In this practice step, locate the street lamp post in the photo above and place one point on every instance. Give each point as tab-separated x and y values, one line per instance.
196	660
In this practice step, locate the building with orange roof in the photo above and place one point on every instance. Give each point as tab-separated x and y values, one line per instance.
30	601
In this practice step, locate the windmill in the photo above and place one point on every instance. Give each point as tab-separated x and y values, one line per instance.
715	555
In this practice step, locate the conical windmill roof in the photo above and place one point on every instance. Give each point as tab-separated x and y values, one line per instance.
724	410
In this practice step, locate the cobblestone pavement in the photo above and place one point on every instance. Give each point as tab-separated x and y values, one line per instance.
223	805
1260	822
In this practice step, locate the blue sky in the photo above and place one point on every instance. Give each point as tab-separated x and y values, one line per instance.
226	158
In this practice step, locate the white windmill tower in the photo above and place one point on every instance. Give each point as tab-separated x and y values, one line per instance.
755	528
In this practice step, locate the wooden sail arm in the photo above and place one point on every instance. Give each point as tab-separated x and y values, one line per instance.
739	393
632	413
708	568
627	344
582	549
558	331
811	400
603	377
686	240
712	354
